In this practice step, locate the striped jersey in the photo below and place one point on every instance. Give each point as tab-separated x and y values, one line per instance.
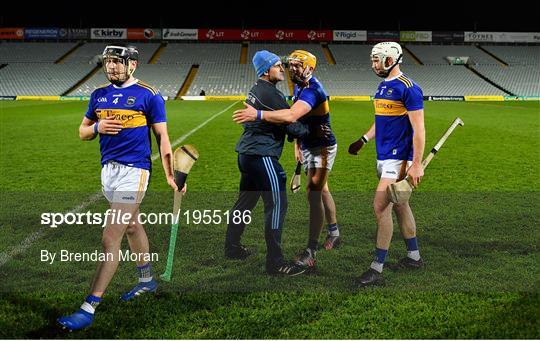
138	106
393	130
314	95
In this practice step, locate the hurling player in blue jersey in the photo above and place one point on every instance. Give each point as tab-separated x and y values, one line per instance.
122	114
399	135
317	153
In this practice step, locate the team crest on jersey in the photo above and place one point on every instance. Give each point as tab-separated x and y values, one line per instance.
130	101
389	92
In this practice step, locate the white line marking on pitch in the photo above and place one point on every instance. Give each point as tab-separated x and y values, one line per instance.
28	241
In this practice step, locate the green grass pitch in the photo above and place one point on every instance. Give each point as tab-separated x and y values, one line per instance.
476	210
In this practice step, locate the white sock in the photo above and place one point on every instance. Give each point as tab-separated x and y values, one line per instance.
88	308
414	255
333	230
145	279
377	266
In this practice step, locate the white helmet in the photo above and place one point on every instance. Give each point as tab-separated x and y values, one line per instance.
385	50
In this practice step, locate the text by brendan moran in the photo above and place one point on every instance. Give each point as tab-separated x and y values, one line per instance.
97	256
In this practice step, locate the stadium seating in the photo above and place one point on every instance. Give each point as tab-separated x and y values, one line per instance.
284	49
516	55
449	80
220	72
435	80
347	79
200	53
166	78
351	53
87	53
40	79
33	52
436	54
227	79
358	54
523	80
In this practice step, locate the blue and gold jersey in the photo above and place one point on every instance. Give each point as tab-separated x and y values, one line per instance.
314	95
393	130
137	106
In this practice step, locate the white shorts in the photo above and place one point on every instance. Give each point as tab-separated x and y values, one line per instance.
123	184
319	157
392	169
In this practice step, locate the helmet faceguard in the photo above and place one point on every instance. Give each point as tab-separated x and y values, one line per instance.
382	52
121	55
304	59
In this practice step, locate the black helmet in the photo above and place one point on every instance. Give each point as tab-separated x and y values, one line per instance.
124	52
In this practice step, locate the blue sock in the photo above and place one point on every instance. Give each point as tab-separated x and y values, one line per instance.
90	303
412	248
380	255
333	229
412	244
145	272
378	262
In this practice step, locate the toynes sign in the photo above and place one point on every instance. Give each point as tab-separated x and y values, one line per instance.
502	37
479	36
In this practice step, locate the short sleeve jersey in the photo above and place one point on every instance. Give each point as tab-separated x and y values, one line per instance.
137	106
393	129
314	95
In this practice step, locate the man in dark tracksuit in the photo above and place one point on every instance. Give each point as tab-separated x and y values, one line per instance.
259	150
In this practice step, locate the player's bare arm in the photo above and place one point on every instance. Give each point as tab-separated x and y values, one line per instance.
355	147
88	129
165	150
284	116
416	171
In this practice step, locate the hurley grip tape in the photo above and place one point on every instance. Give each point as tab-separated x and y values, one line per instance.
180	179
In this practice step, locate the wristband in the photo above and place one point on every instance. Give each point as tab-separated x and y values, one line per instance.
96	128
365	139
259	115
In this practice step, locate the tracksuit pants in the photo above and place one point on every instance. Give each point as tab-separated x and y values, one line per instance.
261	176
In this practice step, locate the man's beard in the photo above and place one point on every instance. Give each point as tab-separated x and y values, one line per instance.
297	80
382	74
118	81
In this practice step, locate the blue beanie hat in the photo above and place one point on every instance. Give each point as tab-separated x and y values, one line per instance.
263	60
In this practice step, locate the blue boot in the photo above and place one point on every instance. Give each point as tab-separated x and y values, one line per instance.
76	321
140	288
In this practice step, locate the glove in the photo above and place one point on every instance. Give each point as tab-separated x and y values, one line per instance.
355	147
